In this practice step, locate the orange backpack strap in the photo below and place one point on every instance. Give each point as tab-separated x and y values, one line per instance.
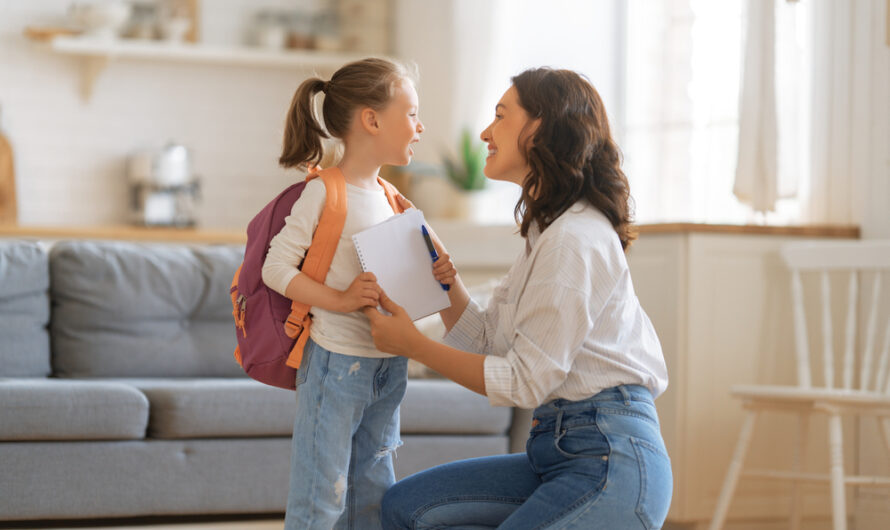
391	194
319	256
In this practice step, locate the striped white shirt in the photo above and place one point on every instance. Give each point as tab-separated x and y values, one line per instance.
565	321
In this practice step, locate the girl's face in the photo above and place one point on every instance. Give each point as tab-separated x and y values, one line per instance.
399	125
511	128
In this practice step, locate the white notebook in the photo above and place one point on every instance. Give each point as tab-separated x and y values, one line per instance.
396	253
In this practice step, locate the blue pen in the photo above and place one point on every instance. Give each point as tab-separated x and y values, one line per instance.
433	253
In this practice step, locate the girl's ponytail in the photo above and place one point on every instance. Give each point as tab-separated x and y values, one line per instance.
365	83
302	132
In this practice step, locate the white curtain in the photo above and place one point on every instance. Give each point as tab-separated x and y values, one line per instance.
681	88
841	137
756	177
806	129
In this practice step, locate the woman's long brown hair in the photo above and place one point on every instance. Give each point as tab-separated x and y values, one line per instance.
571	155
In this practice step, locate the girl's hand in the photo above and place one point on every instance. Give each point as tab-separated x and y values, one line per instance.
396	333
362	292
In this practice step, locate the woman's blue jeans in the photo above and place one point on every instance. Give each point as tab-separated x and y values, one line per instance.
345	431
599	463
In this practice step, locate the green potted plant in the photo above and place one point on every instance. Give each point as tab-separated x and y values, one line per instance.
465	172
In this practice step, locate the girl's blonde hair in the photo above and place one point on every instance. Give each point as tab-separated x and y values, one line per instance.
366	83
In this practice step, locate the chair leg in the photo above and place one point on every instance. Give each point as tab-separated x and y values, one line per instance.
836	450
800	451
732	474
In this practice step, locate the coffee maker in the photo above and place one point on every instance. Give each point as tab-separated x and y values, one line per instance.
163	189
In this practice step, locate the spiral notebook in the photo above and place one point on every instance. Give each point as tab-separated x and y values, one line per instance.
396	253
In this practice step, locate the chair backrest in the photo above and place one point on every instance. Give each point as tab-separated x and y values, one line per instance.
863	266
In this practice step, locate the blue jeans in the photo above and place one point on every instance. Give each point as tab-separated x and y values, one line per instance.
345	431
599	463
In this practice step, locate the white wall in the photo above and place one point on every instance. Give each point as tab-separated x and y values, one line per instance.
71	153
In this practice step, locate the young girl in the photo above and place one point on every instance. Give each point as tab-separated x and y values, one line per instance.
563	334
348	392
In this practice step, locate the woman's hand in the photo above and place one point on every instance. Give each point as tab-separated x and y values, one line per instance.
362	292
444	270
396	333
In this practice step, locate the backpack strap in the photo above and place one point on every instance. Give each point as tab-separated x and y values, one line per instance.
319	256
391	194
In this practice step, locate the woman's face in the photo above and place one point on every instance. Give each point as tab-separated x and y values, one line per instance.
511	128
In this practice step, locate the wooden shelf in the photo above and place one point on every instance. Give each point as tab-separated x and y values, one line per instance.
160	50
97	53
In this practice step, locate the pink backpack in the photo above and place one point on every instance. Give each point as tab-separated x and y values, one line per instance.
271	329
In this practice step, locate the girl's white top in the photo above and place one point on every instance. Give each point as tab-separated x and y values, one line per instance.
346	333
565	321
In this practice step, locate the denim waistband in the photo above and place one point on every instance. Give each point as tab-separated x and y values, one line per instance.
620	393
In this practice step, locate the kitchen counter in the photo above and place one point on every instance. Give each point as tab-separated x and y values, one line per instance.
203	235
124	232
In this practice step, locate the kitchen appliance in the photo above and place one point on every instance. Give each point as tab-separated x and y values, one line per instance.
163	189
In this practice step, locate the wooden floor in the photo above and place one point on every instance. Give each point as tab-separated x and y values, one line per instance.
240	523
273	523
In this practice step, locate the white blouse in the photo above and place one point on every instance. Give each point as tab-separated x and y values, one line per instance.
565	321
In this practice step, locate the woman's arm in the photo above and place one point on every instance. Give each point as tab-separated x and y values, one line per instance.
396	334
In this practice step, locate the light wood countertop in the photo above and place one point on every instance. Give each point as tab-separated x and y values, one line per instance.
124	232
850	232
201	235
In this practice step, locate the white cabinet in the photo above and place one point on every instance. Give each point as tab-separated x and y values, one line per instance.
721	305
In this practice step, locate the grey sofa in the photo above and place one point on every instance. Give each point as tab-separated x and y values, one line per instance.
119	395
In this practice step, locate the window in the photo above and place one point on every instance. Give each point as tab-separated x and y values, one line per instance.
669	73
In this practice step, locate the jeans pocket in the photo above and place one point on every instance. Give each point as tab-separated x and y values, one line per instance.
581	441
303	370
656	483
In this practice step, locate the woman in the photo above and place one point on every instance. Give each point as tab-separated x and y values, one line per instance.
564	334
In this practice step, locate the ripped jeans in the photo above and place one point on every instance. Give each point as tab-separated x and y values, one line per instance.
345	430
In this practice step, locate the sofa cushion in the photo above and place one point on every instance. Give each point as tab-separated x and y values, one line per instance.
24	309
241	407
129	310
59	409
434	406
215	407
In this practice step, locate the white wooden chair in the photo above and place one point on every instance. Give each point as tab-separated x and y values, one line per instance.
867	392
